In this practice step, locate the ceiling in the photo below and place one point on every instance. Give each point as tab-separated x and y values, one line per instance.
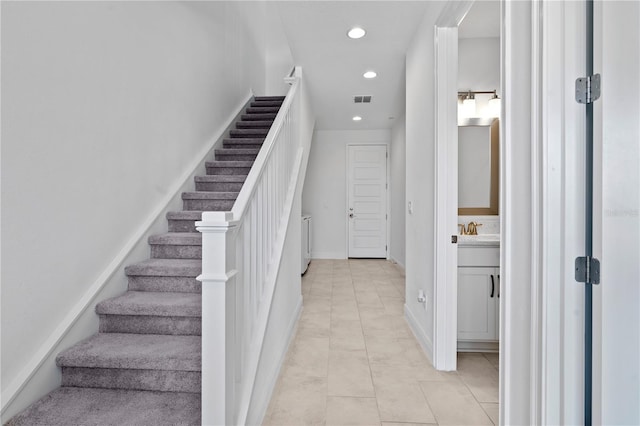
333	64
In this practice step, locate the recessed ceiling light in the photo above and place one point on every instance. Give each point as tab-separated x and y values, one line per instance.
356	32
357	118
370	74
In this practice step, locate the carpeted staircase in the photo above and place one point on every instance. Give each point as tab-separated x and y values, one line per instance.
144	365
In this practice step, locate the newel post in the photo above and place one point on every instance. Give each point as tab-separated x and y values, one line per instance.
218	313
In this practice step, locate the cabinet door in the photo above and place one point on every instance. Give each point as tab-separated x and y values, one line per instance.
477	303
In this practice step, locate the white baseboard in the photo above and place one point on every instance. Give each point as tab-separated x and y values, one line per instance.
399	265
52	345
263	404
328	255
419	333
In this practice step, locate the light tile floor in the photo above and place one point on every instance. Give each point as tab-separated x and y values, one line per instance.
354	360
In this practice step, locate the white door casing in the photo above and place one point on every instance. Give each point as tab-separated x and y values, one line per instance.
367	201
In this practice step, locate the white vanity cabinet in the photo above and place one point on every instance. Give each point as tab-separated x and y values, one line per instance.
478	298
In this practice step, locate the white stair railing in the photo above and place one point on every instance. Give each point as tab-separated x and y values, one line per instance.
241	253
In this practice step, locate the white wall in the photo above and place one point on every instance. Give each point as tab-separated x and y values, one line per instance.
279	58
619	230
105	105
479	65
325	189
397	191
420	154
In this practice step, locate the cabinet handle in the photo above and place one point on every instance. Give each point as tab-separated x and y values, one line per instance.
498	285
492	285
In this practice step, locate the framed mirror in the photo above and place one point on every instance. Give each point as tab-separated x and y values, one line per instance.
478	166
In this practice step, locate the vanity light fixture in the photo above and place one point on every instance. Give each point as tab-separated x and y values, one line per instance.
467	104
494	106
356	33
468	108
370	74
357	118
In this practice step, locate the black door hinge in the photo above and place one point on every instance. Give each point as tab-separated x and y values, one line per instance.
587	270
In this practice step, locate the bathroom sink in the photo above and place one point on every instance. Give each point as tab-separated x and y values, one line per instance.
479	240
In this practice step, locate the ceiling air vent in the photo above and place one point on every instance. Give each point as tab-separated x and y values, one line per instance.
362	99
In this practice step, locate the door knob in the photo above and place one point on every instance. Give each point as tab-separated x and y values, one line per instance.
351	215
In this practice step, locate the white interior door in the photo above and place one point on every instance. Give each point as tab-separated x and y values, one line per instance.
367	200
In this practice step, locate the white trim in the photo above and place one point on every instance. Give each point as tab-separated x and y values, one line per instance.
265	399
51	344
446	184
536	213
419	333
328	255
446	215
399	265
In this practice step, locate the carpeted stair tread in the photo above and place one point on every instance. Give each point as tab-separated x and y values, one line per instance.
258	117
238	151
178	238
166	268
237	154
263	103
244	133
134	352
254	124
101	407
184	220
262	110
188	214
205	195
152	304
243	143
269	98
220	178
241	164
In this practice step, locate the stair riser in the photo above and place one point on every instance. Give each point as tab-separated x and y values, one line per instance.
258	117
262	110
269	98
219	186
253	124
115	378
235	157
138	324
170	284
182	225
228	170
208	205
248	133
258	104
231	144
170	251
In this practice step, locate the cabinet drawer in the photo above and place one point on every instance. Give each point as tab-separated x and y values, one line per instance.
479	256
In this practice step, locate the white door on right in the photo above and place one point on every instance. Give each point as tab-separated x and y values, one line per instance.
367	203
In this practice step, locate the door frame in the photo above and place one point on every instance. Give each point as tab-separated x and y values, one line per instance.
446	184
387	194
521	167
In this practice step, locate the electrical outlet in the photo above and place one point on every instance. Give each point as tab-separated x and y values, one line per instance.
410	207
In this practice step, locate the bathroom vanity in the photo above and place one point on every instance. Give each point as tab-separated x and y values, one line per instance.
478	292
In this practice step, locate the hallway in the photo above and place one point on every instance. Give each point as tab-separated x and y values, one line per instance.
354	360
